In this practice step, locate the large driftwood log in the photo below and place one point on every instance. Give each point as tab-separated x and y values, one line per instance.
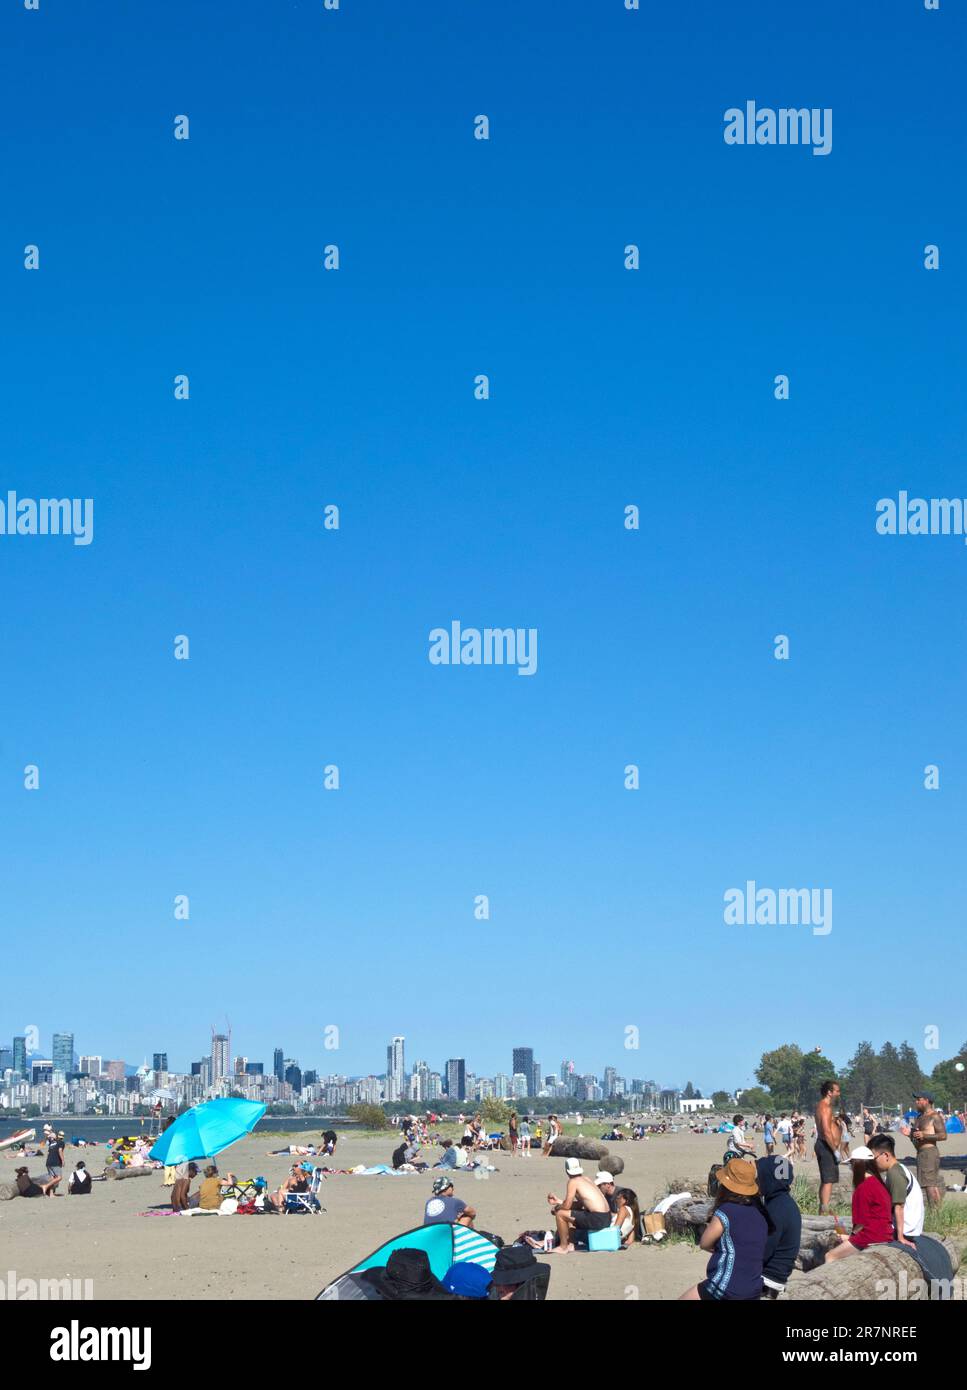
590	1149
116	1174
881	1272
8	1190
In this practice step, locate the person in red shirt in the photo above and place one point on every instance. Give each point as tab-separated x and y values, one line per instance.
872	1212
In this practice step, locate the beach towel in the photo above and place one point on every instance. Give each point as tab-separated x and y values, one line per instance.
671	1200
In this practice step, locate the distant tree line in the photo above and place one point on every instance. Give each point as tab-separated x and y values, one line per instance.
790	1079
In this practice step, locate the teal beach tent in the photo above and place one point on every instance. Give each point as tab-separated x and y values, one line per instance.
445	1245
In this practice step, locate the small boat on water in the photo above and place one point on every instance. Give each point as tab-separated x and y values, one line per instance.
20	1136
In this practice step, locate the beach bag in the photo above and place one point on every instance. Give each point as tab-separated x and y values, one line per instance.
654	1221
608	1239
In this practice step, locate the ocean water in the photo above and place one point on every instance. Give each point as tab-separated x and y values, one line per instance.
100	1128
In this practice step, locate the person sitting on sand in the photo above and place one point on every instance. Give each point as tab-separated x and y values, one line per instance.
297	1181
736	1238
584	1208
26	1187
448	1159
444	1206
210	1192
627	1215
463	1159
79	1183
184	1172
872	1209
328	1146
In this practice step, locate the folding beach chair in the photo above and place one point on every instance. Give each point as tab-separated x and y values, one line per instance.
298	1202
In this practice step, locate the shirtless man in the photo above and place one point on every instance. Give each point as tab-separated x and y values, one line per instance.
828	1138
585	1207
927	1131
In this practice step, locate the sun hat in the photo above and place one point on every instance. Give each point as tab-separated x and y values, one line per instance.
603	1176
572	1166
441	1184
515	1265
467	1279
862	1154
739	1176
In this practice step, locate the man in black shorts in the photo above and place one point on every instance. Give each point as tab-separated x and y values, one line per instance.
828	1137
584	1208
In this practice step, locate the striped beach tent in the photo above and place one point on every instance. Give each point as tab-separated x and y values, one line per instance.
445	1245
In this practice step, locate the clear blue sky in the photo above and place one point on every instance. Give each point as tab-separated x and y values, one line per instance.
609	387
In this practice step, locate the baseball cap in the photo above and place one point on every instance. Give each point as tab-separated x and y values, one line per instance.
603	1176
861	1153
572	1166
923	1095
468	1280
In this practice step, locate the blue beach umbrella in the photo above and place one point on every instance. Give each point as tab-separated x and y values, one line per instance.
206	1129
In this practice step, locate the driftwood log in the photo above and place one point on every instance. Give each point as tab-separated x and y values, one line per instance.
881	1272
589	1149
9	1190
116	1174
818	1234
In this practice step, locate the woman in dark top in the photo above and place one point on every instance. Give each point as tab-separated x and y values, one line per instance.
26	1187
80	1181
736	1237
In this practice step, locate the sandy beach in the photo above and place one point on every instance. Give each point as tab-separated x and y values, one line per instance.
129	1256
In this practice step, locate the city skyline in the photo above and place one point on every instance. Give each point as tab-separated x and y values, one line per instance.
627	1067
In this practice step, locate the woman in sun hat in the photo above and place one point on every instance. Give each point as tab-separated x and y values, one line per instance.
735	1236
872	1208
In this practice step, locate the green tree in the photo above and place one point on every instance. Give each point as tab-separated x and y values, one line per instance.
494	1111
780	1071
793	1077
369	1116
948	1086
861	1082
721	1099
909	1067
689	1091
891	1071
753	1100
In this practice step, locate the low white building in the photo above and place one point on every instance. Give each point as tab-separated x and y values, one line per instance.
691	1107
